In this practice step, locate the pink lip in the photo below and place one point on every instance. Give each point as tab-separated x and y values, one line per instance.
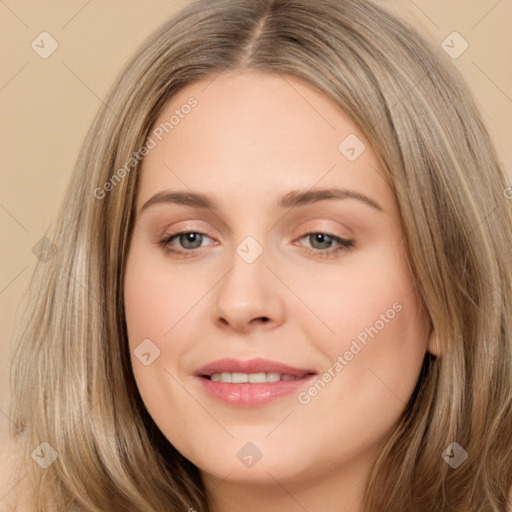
247	395
251	366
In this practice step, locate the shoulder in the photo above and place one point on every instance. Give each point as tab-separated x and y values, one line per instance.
14	477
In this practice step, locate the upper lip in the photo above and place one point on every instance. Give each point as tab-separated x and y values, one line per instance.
258	365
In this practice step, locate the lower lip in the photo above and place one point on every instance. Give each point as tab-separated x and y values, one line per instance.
248	395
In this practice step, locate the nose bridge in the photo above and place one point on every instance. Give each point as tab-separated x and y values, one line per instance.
244	283
247	292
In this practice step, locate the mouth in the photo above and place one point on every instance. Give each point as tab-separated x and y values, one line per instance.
252	378
252	383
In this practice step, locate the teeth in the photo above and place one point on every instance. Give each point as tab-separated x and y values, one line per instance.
239	378
253	378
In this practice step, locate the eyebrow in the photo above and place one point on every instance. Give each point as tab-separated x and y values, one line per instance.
292	199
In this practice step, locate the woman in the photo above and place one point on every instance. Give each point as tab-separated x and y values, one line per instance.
282	279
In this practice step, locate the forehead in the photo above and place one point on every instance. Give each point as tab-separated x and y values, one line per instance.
250	133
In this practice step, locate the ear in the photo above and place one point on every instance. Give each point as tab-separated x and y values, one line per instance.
433	345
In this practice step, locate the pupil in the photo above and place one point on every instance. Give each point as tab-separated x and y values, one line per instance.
189	240
322	239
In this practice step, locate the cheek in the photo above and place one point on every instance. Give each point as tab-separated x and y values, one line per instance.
371	366
166	306
361	302
154	304
375	342
155	301
152	308
369	375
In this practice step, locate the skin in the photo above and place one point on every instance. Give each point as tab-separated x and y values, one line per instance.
251	139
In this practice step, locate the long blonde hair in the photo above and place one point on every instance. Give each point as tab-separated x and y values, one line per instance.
72	380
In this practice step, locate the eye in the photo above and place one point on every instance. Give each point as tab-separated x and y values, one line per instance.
188	241
326	245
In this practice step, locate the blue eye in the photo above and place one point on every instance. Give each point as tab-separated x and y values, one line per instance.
189	240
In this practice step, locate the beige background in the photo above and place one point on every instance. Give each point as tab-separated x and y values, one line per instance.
47	105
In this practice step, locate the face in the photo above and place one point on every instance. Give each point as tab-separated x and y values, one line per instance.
267	251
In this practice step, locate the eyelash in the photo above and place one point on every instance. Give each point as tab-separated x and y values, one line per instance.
343	244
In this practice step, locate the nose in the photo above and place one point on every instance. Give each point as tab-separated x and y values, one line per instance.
248	297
